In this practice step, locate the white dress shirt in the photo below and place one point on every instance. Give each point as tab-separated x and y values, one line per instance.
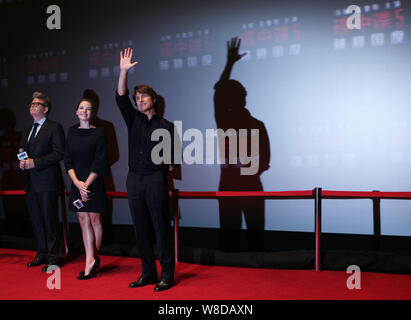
40	122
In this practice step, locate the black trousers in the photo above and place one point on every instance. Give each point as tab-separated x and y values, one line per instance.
148	199
231	220
43	211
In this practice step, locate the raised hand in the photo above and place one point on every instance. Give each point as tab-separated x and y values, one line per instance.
125	59
232	50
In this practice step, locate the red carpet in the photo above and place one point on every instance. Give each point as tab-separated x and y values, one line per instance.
193	282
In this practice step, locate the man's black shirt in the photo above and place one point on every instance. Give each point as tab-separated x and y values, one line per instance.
140	130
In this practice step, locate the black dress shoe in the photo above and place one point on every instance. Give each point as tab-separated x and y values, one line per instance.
164	284
50	267
141	282
37	262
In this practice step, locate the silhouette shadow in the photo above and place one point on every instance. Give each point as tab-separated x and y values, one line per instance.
13	258
176	173
12	178
66	260
230	113
196	272
108	269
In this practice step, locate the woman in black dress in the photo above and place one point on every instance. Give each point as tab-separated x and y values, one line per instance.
86	162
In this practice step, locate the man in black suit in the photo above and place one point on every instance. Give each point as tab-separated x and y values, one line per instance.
44	144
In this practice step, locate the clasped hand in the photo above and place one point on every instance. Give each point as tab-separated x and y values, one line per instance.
83	188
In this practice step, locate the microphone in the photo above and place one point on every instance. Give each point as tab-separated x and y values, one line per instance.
22	155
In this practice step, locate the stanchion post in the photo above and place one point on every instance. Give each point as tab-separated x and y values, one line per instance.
64	220
317	209
377	221
174	197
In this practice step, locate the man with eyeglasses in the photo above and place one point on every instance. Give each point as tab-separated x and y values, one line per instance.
44	143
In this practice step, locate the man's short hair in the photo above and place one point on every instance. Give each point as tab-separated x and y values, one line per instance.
42	96
145	89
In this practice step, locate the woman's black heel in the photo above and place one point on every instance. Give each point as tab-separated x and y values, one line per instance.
93	272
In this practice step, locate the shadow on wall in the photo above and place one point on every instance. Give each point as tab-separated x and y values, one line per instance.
176	173
230	113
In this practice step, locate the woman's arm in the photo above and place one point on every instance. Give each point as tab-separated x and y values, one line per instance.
82	186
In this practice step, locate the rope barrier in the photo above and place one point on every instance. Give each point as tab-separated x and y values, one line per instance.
316	194
326	194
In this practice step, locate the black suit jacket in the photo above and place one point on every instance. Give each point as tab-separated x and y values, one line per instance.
47	151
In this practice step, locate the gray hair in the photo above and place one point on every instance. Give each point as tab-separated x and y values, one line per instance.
42	96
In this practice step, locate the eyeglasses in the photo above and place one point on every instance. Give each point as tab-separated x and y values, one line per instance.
36	104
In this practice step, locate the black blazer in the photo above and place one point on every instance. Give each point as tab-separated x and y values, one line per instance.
47	151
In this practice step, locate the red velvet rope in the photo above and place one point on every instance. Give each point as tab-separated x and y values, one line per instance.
325	194
12	192
262	194
364	194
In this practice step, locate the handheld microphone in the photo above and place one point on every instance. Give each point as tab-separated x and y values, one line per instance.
22	155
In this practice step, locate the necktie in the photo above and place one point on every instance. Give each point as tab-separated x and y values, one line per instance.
33	134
